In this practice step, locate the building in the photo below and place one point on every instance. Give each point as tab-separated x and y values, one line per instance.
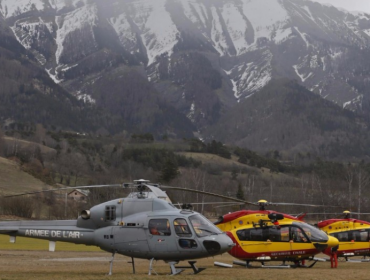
79	195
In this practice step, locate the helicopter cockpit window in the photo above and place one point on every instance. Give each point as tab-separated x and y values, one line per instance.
297	235
355	235
284	234
110	213
314	234
202	226
363	236
159	227
181	227
188	243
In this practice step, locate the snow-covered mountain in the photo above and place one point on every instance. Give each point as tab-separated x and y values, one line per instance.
203	56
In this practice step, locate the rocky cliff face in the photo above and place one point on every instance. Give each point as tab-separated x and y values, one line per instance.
202	56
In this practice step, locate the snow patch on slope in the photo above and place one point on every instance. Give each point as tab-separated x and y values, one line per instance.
195	12
356	100
303	77
84	16
11	8
274	15
125	33
236	26
251	77
217	34
304	37
53	76
60	4
158	32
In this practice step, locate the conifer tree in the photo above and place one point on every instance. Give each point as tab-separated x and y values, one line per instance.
170	170
240	192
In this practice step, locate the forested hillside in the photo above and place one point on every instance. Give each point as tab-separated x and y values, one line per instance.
71	159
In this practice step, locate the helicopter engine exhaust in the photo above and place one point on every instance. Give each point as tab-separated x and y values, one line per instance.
276	216
85	214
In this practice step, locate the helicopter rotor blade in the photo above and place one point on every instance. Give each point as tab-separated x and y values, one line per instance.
209	193
225	203
64	188
228	205
300	204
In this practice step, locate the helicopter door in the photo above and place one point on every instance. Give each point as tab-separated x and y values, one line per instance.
299	242
160	237
186	242
353	241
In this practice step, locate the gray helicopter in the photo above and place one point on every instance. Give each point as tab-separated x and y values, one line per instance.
144	225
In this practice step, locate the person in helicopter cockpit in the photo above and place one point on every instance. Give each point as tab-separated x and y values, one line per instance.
154	231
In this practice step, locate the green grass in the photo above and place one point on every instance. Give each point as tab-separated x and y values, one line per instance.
23	243
14	180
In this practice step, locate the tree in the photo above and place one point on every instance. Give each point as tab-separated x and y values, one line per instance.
240	192
350	176
2	144
18	206
363	181
169	170
234	172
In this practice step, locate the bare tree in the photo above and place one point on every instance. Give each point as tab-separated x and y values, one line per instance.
363	181
18	206
317	185
77	166
2	143
349	179
304	187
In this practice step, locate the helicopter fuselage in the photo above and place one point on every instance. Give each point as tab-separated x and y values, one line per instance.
258	238
126	226
353	236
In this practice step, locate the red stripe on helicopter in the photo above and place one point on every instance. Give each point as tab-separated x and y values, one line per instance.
342	253
332	221
238	252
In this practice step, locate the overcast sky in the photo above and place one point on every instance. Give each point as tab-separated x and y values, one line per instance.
350	5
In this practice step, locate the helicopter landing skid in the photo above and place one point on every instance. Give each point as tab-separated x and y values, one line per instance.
175	270
247	264
193	266
151	267
358	260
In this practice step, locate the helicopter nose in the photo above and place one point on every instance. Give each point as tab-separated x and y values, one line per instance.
331	243
222	244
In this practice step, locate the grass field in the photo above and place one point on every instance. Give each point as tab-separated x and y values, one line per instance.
40	265
14	180
30	259
42	245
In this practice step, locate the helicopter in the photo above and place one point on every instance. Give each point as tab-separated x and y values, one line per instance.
144	225
264	235
353	236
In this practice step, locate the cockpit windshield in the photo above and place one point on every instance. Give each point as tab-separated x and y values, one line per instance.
202	226
314	234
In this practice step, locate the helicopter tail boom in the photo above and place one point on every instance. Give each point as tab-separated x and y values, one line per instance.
66	231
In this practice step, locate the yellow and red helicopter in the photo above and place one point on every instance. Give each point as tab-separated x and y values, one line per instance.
264	235
353	235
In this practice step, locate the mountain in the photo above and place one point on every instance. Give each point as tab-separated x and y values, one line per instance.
286	117
196	59
27	92
29	95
